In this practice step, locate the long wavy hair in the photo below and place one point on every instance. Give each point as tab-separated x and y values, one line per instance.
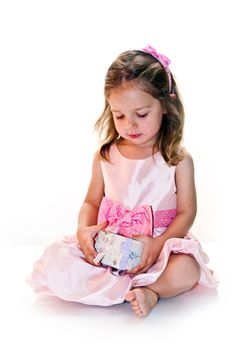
152	78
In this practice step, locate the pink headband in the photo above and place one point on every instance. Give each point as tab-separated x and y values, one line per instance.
163	60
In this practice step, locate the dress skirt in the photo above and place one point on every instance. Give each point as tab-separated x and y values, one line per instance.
63	272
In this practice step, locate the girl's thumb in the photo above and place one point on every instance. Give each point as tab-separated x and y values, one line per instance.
98	227
102	225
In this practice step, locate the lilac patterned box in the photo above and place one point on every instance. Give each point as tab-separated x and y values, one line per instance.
117	251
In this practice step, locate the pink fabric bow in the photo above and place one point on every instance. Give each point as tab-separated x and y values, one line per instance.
124	221
162	59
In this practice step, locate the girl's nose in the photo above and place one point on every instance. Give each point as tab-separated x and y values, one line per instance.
130	123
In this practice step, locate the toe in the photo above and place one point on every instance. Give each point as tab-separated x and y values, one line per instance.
135	308
139	313
130	296
134	302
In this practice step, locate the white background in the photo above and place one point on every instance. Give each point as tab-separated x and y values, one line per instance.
53	58
54	55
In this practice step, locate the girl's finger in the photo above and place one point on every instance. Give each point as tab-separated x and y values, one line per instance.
142	267
142	270
89	258
136	269
91	251
96	228
100	226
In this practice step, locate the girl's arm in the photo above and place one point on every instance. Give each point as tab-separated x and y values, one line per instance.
89	210
186	201
87	221
186	212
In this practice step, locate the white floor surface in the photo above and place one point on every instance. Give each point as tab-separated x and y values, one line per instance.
199	319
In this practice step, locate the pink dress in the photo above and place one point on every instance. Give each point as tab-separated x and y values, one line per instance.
140	196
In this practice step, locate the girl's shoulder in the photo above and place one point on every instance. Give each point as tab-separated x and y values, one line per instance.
186	164
186	155
96	160
104	151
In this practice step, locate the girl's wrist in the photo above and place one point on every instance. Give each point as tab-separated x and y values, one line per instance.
160	240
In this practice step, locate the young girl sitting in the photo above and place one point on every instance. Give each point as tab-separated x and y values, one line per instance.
142	186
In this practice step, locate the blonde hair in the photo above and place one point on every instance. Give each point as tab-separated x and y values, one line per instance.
145	70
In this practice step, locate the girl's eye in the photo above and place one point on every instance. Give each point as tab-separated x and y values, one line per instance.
142	115
119	116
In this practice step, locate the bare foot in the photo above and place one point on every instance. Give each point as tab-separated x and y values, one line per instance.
142	300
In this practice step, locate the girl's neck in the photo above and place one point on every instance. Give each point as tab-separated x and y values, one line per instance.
132	151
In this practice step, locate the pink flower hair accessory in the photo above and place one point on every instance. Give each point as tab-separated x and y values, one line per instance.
163	60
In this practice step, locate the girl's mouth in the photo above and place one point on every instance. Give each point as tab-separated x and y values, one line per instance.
134	136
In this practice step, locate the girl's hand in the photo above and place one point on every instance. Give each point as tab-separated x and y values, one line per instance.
151	251
85	237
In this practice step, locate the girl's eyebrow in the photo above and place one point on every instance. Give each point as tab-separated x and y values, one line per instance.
136	109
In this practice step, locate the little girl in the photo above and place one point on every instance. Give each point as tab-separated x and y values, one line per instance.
143	186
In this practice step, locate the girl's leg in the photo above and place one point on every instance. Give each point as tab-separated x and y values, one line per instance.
180	275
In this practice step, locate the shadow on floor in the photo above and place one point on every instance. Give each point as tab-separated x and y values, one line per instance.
188	302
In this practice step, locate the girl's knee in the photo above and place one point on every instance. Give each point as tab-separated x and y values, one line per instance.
185	270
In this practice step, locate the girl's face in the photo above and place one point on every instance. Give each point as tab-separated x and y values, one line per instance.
137	115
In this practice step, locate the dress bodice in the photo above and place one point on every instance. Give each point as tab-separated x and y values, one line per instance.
135	182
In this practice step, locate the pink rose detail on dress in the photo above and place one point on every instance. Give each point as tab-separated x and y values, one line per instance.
124	221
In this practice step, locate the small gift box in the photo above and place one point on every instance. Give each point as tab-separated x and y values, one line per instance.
117	251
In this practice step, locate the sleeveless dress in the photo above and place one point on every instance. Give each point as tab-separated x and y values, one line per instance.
140	196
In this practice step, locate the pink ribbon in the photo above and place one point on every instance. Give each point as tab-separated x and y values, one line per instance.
162	59
124	221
